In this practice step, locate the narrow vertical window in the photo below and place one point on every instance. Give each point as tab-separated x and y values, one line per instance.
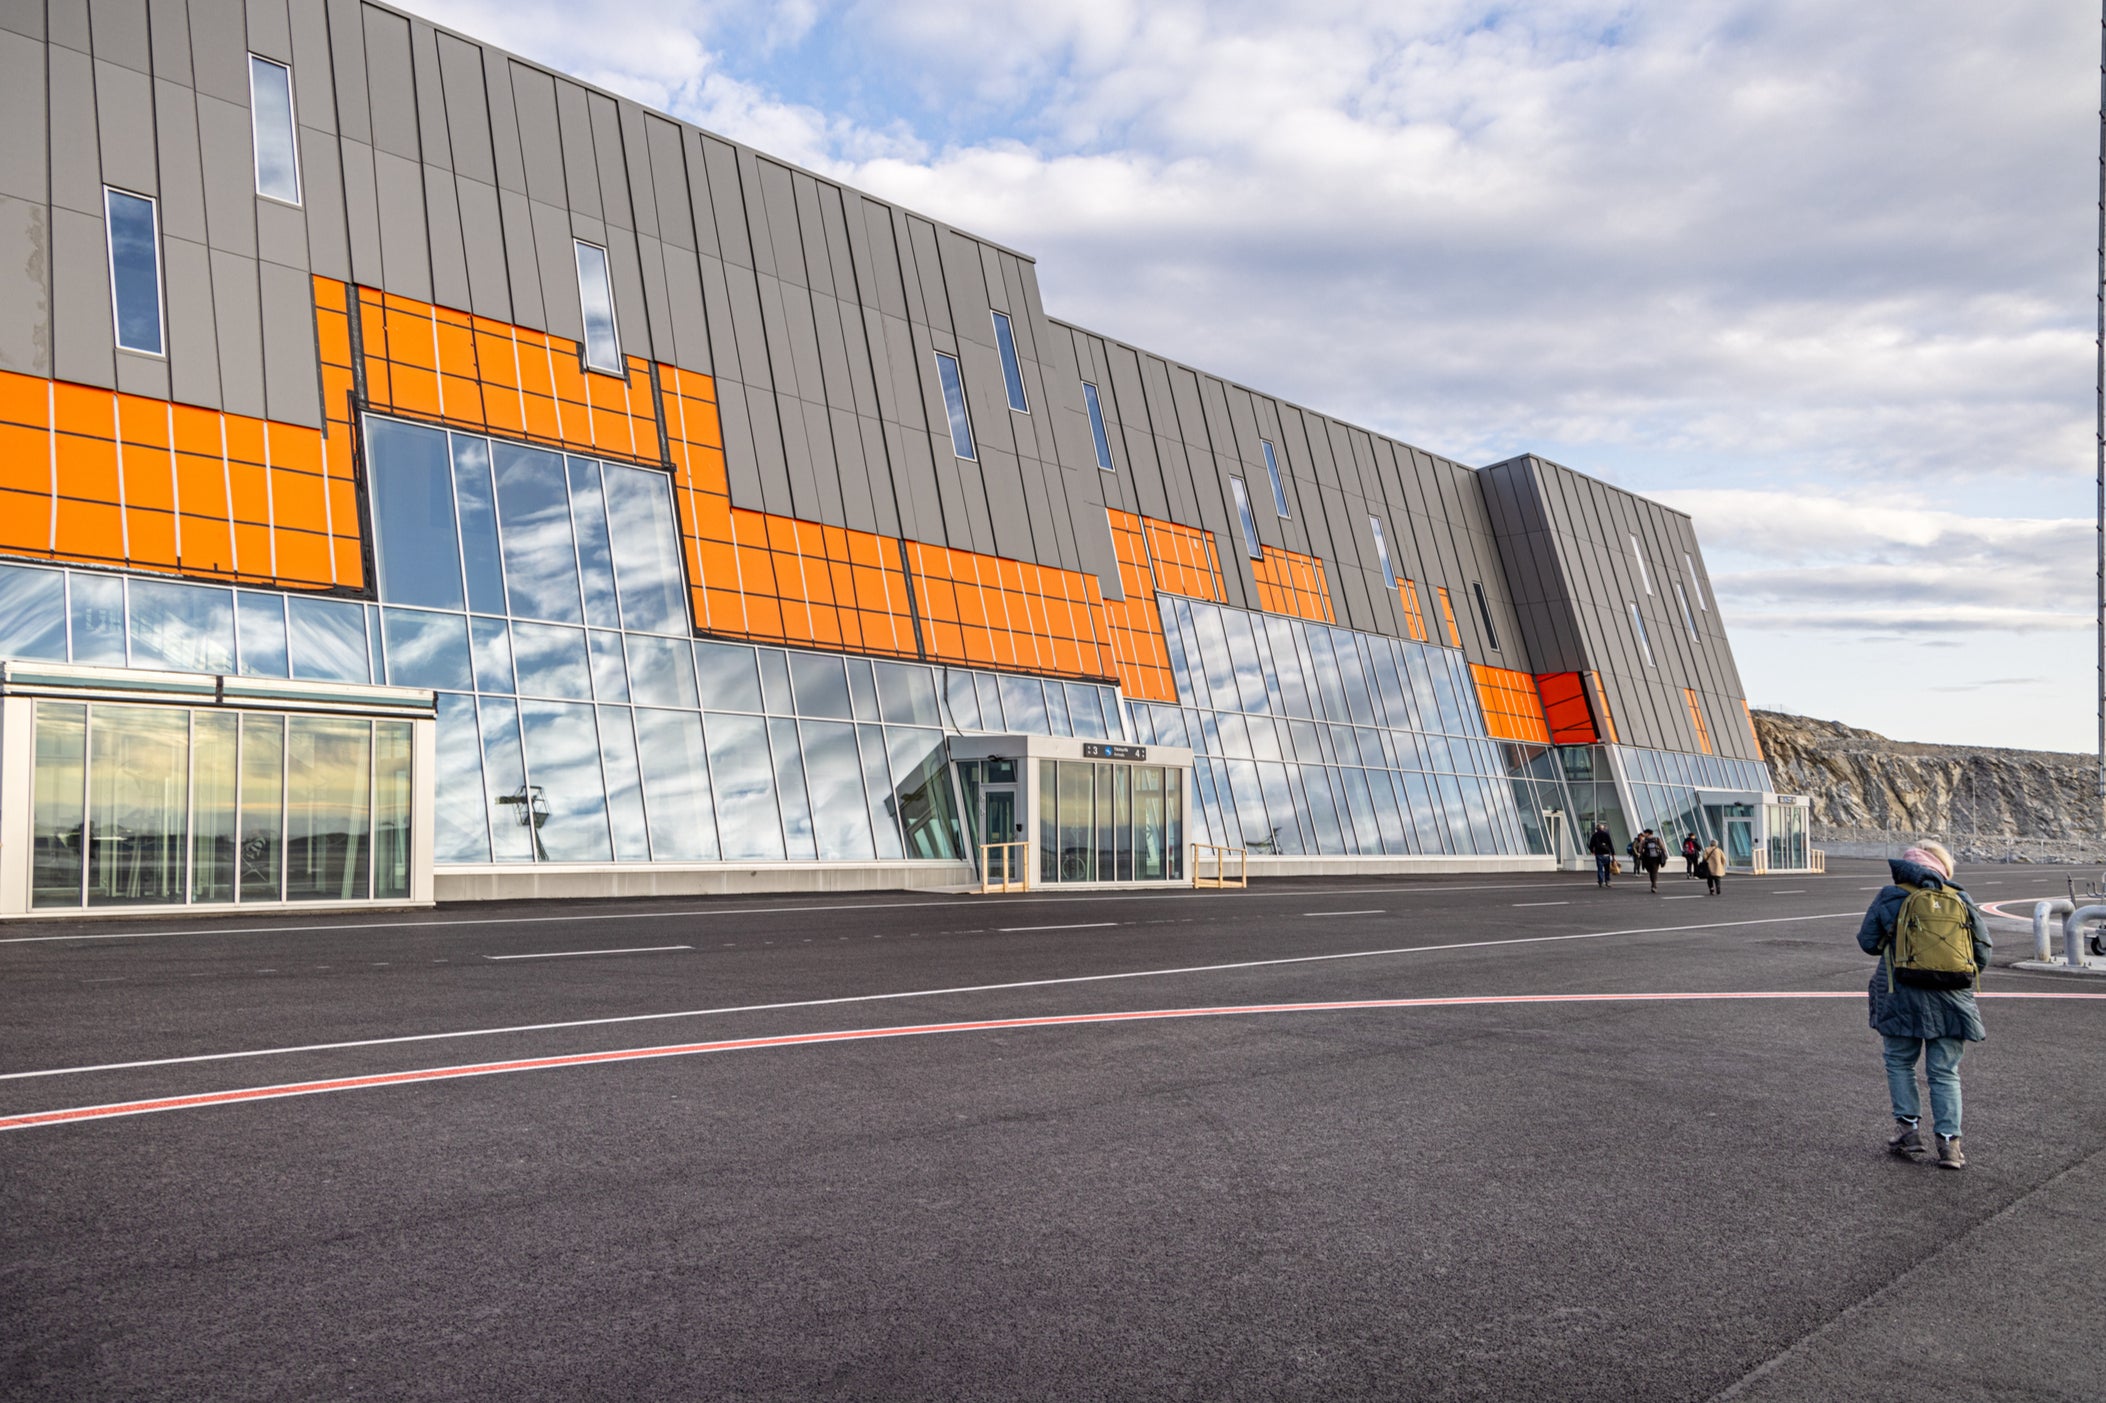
1414	617
271	122
1012	371
1250	523
1696	718
1484	614
954	406
1645	644
1279	489
1688	619
1374	523
1089	397
1645	576
135	270
1448	616
1695	588
603	347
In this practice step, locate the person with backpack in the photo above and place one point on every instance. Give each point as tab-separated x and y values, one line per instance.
1652	856
1713	863
1691	851
1604	849
1932	946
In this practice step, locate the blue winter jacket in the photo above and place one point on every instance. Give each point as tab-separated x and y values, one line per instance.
1906	1011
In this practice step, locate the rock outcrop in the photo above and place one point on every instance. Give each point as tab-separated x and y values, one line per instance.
1865	785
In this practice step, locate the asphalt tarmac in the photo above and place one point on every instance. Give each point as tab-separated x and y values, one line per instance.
1382	1139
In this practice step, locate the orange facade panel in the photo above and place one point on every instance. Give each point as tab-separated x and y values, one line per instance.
1696	718
1184	560
1512	708
1448	617
1748	712
1565	709
103	478
1140	653
1292	583
1414	616
1601	702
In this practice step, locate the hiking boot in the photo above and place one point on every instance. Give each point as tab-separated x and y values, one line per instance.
1949	1156
1907	1139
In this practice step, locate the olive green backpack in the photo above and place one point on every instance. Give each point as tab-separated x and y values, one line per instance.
1933	945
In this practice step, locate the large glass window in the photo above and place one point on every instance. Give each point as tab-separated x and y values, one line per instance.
1389	569
135	270
58	810
409	482
271	121
954	406
328	817
603	350
1103	440
138	819
32	614
1012	370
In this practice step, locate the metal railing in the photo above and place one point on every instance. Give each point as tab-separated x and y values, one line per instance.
1221	877
1016	867
1819	860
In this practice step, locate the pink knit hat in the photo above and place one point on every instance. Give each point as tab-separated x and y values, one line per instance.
1931	855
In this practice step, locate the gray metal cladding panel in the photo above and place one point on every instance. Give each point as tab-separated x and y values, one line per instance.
764	423
1001	483
362	213
146	376
449	254
775	332
755	362
25	286
270	29
124	112
27	20
219	50
965	287
281	234
117	30
314	87
23	170
718	350
800	337
857	484
817	265
230	176
291	390
928	274
434	146
347	67
405	252
76	164
862	338
182	170
610	164
914	482
883	244
797	454
980	367
839	243
322	187
522	263
483	238
193	342
574	136
540	135
832	347
391	83
829	469
84	345
68	20
632	320
238	314
673	204
884	496
558	260
465	108
899	386
727	202
650	259
501	104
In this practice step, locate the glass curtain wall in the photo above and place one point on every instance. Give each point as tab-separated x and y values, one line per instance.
1109	822
163	806
1663	786
580	721
1314	739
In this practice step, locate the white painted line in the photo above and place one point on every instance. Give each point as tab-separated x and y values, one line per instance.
417	1076
957	902
573	954
1693	896
1075	925
915	994
1519	904
1371	911
1790	891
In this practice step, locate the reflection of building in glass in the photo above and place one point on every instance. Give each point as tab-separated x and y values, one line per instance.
658	517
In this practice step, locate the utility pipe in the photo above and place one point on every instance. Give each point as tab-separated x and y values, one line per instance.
2043	912
2073	932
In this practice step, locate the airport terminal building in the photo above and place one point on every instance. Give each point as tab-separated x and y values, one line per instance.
426	476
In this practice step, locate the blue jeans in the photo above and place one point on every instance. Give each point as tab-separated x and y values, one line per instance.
1941	1062
1601	869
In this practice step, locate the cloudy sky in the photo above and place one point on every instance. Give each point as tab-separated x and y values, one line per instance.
1819	274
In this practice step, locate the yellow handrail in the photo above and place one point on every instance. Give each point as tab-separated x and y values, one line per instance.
1820	860
1016	869
1221	877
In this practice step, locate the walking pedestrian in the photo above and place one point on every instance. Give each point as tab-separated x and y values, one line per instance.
1713	861
1604	849
1932	945
1691	851
1652	856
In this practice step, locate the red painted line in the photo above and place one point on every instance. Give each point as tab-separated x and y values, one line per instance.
76	1114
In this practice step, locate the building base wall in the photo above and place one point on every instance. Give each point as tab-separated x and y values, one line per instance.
522	882
1432	865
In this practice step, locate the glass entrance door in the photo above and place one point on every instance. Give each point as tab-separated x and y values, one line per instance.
998	825
1740	842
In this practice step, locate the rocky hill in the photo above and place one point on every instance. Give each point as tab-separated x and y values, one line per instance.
1865	786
